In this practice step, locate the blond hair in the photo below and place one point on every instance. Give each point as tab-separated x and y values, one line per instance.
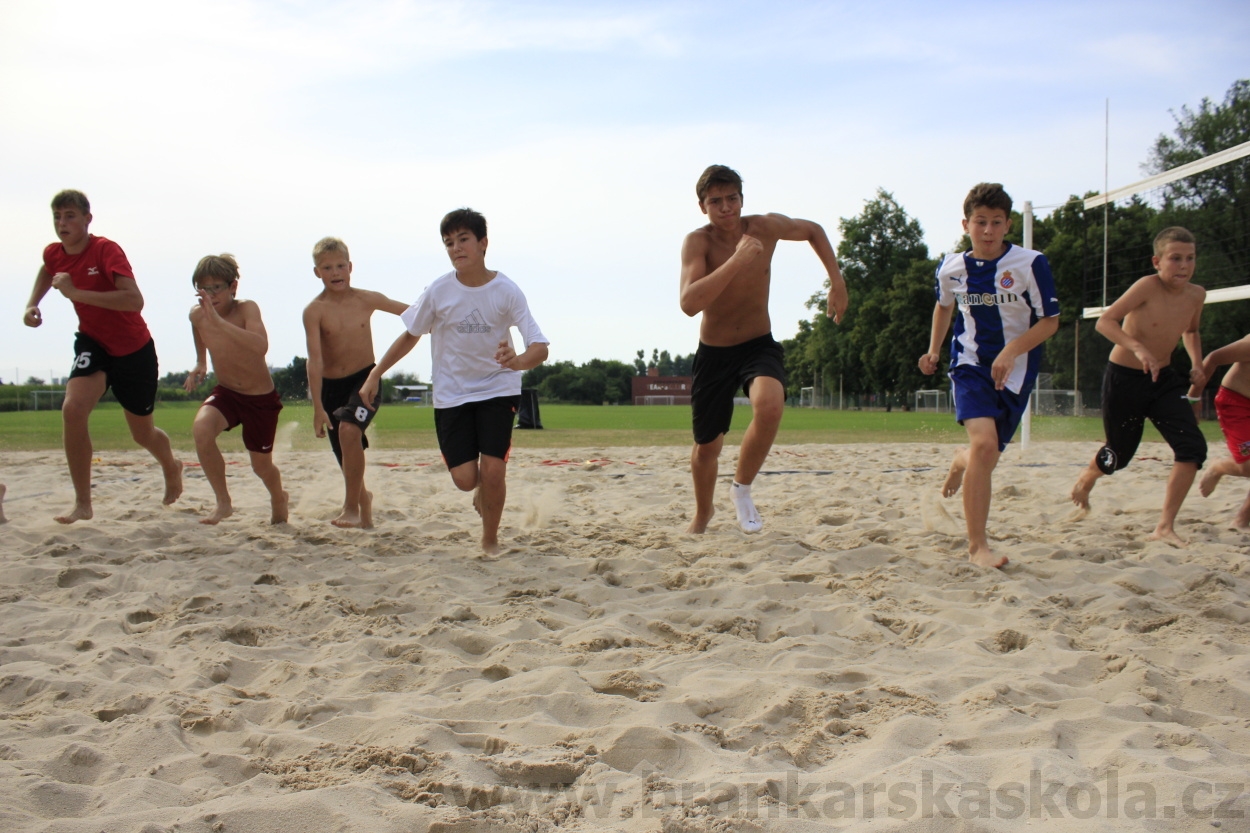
330	245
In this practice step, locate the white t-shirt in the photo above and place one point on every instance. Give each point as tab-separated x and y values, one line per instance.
466	324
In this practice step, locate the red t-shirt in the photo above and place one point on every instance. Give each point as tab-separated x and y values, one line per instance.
120	333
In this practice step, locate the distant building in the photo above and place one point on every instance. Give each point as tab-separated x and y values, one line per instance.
654	389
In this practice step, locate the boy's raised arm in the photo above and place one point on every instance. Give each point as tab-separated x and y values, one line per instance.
125	298
699	288
250	337
385	304
789	228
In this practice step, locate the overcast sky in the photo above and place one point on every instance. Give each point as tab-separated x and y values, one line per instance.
577	128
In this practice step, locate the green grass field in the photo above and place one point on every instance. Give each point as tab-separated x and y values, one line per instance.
564	426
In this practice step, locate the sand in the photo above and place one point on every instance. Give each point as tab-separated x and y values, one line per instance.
845	668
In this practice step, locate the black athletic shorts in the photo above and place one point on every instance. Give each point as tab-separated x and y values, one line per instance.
719	372
340	399
1129	398
475	428
132	377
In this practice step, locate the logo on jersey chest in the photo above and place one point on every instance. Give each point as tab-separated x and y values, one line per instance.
1007	281
92	270
473	323
986	299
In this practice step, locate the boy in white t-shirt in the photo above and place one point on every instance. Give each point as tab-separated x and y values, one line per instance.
477	373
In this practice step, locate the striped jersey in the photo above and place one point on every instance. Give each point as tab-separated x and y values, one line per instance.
999	300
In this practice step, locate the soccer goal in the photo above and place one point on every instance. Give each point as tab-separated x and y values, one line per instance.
1057	402
47	400
659	400
933	400
807	397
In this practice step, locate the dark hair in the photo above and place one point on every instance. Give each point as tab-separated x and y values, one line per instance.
987	195
717	175
1173	234
223	267
463	219
69	198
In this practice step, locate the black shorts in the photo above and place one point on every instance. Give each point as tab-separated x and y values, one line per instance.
132	377
718	374
340	399
1129	398
475	428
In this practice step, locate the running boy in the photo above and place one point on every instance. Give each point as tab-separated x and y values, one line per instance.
1144	324
233	334
340	356
1007	308
1232	406
112	348
726	269
477	373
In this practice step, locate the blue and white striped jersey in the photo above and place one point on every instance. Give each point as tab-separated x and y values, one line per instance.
999	300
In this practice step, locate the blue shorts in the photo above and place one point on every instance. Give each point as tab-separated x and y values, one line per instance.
973	390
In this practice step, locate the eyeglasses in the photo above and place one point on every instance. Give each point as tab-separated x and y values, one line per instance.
215	288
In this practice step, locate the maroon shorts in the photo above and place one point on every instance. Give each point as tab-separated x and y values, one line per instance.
1233	409
257	413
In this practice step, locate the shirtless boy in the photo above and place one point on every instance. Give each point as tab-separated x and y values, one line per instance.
1006	307
340	356
1144	324
232	333
726	267
477	374
112	348
1232	406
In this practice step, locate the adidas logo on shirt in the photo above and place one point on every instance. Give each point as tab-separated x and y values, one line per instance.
474	323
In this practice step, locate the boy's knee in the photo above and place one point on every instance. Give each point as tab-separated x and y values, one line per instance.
1109	461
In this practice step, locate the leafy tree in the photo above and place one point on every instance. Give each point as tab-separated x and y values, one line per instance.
34	380
640	363
291	382
877	250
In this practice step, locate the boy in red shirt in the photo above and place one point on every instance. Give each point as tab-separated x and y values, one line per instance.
112	348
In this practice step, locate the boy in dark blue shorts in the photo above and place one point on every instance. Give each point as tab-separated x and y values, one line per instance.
477	373
1007	308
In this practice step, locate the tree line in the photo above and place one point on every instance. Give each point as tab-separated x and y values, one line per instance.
889	272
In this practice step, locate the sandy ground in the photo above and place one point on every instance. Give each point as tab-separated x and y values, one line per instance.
845	668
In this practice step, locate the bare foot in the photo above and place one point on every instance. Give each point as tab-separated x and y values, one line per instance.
223	511
280	505
699	525
173	483
954	477
986	557
366	510
1080	492
3	489
1168	536
1240	524
346	520
491	547
81	512
1210	479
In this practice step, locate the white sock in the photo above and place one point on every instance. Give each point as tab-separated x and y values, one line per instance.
748	515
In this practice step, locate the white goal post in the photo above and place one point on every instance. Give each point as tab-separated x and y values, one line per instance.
807	397
933	400
54	399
